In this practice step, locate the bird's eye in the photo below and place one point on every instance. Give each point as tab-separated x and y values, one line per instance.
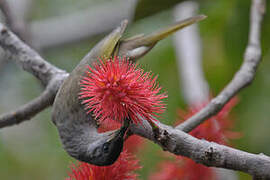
106	147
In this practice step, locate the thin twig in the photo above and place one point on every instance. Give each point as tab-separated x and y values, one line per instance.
242	78
27	111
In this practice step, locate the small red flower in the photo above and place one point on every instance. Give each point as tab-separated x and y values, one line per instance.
183	168
117	89
122	169
216	129
134	144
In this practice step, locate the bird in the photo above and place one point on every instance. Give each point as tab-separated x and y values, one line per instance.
78	129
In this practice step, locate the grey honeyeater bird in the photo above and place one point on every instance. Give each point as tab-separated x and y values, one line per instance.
77	129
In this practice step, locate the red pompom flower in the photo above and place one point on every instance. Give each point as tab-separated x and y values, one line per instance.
124	168
116	89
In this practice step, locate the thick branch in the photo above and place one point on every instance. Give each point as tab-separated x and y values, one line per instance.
242	78
204	152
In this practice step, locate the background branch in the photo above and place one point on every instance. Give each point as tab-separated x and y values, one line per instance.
16	13
187	45
81	25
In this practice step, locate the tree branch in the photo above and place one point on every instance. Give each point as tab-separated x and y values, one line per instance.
242	78
31	61
27	111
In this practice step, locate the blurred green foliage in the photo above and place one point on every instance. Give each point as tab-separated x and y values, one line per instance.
33	150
